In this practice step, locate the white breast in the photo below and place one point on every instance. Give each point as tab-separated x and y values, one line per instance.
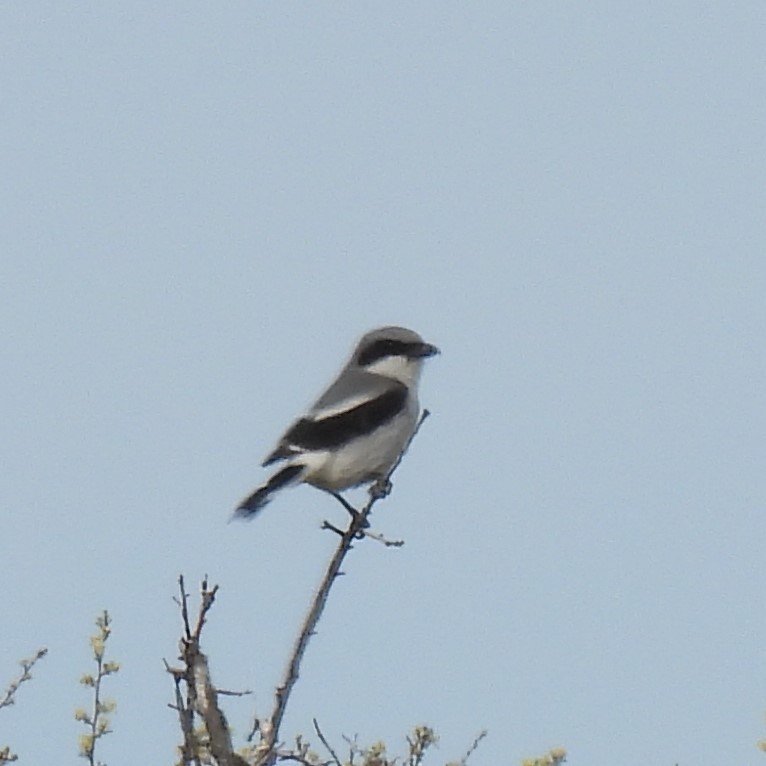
364	459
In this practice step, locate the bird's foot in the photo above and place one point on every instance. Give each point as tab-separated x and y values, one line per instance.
353	512
380	488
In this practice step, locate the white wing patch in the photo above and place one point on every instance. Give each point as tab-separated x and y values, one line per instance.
338	408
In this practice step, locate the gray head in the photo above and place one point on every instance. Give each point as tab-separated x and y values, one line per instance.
394	352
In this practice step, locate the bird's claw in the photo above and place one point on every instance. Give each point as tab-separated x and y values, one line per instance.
381	488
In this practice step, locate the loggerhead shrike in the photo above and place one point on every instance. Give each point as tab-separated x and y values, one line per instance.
358	427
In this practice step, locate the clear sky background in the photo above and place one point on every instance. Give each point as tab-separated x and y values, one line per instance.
204	205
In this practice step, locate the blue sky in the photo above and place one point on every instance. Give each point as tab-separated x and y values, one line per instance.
204	207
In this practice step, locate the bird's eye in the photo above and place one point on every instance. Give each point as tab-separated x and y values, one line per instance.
379	349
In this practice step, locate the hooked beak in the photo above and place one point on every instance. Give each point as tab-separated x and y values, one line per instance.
423	350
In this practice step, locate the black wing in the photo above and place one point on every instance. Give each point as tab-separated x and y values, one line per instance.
333	431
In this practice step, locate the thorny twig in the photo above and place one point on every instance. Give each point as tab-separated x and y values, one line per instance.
269	728
201	695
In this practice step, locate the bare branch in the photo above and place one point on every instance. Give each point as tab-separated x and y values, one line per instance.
208	597
381	539
290	755
231	693
353	748
184	604
332	528
190	748
219	737
185	717
269	729
201	698
321	736
477	740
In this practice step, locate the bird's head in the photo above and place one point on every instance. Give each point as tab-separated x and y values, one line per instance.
393	352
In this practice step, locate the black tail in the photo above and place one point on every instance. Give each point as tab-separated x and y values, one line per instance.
252	504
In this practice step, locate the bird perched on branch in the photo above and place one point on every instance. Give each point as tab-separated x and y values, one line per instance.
356	430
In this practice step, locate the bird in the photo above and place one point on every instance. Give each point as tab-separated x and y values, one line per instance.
357	429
